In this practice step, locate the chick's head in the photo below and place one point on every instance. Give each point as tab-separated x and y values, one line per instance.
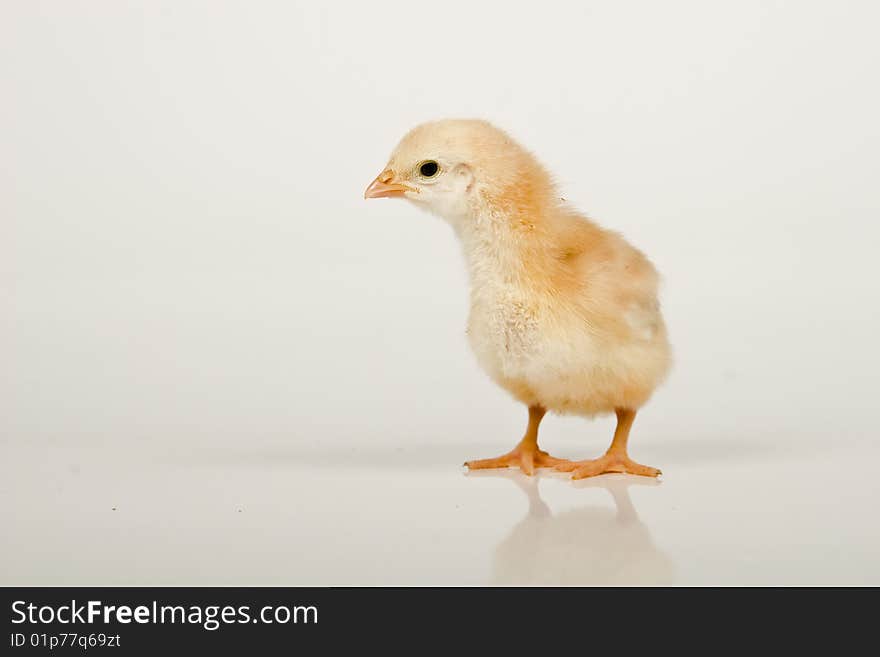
455	168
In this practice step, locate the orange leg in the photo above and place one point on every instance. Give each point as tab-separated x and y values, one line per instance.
526	456
615	459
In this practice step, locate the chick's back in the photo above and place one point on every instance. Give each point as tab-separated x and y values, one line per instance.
605	343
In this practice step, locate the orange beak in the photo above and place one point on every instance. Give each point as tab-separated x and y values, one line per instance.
385	187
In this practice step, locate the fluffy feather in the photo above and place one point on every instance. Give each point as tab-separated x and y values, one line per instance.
564	314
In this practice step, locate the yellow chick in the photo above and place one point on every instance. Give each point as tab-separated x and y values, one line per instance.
564	314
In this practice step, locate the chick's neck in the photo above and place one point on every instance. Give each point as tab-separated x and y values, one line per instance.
509	245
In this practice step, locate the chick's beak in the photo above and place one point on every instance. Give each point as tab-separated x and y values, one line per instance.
384	186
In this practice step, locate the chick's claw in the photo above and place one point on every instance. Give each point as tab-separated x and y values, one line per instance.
608	463
526	459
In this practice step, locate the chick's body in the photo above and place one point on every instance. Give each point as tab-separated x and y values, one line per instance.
564	314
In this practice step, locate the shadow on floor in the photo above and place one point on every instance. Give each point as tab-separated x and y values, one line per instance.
665	454
331	455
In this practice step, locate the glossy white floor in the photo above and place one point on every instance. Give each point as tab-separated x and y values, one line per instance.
762	510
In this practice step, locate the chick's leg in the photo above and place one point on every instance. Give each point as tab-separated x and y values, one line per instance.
615	459
526	456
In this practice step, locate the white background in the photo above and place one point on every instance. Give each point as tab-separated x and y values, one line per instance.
219	364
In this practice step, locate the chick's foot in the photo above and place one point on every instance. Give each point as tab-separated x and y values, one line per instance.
611	462
525	457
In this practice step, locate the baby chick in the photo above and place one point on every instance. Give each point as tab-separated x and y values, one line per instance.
563	314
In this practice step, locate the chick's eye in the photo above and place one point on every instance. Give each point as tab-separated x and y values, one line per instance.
429	169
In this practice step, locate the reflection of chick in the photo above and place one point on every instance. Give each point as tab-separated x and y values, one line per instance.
564	314
591	545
